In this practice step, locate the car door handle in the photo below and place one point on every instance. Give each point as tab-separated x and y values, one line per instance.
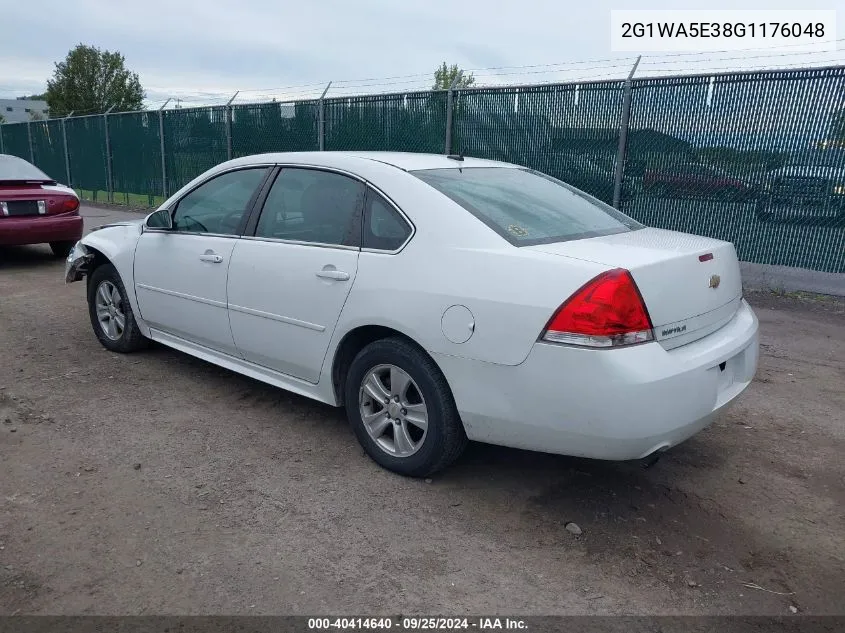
338	275
211	257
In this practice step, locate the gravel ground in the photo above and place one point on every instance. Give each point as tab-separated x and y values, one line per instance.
155	483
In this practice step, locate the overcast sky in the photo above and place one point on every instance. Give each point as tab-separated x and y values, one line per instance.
205	50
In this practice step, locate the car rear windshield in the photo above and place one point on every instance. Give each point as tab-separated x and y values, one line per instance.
14	169
526	207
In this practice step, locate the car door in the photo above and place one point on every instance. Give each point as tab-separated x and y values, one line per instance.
288	281
180	274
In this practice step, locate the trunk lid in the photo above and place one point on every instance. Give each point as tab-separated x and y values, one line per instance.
43	197
687	293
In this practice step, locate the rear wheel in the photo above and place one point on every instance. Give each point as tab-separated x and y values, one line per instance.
61	249
111	313
401	409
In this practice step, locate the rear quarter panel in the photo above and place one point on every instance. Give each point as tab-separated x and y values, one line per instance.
455	260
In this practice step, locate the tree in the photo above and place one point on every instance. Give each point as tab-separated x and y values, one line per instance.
35	115
445	75
91	81
2	119
41	97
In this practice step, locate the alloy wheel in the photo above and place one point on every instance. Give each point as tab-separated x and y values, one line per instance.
109	305
393	410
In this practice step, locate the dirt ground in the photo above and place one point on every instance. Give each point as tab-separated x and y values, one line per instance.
155	483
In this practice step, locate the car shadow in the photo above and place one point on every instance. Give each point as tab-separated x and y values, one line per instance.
33	256
669	522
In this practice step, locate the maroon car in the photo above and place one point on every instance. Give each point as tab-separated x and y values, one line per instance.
35	209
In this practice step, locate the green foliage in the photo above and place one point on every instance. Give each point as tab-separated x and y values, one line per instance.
445	75
41	97
2	119
90	81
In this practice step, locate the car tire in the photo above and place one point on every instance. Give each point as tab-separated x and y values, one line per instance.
443	439
61	249
106	289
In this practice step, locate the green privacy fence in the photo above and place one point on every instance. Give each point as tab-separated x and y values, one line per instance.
86	143
15	140
413	122
194	141
757	158
135	145
272	127
567	131
48	146
753	158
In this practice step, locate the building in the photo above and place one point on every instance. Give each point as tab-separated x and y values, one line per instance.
19	110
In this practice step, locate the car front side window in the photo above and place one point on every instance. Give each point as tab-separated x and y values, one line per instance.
218	205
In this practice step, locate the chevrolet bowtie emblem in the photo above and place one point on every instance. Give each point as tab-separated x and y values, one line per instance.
715	280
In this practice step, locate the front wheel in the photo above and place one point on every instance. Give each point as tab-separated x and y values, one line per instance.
401	409
111	313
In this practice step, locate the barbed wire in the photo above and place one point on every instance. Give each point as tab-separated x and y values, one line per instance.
668	64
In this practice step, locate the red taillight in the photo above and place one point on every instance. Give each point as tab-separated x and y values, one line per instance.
71	204
607	311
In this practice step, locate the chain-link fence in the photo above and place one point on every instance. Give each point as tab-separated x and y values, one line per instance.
273	127
48	149
756	158
15	140
413	122
570	131
135	145
86	146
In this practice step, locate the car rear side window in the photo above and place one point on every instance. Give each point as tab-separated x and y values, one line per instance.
314	206
384	228
526	207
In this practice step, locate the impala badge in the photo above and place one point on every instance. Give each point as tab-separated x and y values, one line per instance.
715	280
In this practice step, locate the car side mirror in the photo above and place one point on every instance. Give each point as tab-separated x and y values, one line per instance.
159	220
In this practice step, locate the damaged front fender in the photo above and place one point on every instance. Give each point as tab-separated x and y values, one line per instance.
77	263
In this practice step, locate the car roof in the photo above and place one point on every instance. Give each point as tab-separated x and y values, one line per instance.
407	161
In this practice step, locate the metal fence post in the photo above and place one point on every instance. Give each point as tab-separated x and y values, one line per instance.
29	138
321	121
229	126
624	121
2	149
67	153
109	178
450	107
161	141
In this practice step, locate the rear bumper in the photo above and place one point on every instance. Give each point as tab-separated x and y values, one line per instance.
40	229
606	404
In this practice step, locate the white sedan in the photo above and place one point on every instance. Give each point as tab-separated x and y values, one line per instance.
436	298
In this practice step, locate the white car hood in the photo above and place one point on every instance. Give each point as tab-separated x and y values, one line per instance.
122	223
